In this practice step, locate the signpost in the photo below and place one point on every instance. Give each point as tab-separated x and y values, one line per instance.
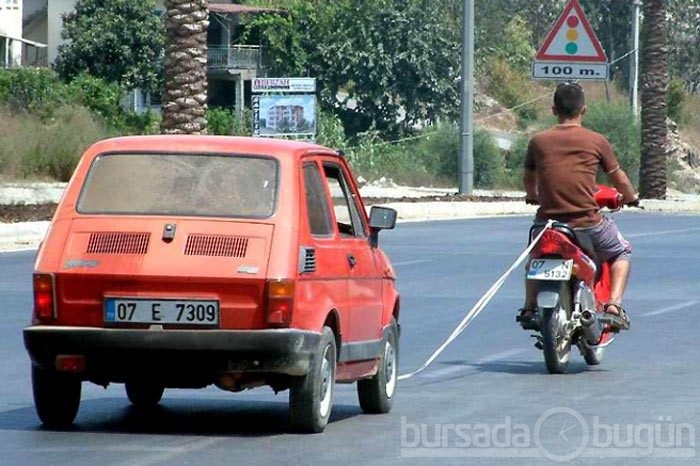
571	50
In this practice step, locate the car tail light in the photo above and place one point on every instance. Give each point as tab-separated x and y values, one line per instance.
280	302
44	302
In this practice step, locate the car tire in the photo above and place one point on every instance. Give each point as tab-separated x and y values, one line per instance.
144	394
56	396
311	395
376	395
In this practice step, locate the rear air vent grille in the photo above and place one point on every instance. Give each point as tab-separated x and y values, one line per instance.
216	245
118	243
307	259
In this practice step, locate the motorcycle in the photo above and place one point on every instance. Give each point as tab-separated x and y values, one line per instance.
572	287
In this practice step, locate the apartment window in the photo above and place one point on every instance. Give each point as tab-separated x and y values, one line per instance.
12	4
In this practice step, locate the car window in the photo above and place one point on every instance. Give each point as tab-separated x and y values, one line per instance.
317	208
180	184
345	205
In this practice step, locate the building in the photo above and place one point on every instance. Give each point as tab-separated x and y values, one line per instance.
13	45
230	66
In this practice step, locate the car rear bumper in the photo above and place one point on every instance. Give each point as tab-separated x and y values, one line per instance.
282	351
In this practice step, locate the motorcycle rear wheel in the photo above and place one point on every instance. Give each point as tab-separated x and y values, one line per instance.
556	344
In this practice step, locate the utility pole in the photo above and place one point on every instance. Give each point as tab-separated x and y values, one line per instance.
466	145
634	62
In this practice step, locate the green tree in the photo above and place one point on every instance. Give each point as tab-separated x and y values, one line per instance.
684	39
120	41
384	65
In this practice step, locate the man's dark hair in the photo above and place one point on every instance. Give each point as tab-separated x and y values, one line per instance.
569	99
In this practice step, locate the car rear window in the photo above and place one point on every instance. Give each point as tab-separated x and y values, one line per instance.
180	184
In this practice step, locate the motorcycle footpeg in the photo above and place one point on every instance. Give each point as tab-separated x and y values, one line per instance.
538	343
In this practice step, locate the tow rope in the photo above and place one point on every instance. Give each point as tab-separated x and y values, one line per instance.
479	306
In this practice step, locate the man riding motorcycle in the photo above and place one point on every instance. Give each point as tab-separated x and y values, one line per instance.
560	175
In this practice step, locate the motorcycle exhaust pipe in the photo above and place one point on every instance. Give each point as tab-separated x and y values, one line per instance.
590	326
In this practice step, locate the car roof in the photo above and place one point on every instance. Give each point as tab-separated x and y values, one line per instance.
281	148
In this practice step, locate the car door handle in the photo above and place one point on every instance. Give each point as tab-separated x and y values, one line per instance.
351	259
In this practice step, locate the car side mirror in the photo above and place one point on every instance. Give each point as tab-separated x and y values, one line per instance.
382	218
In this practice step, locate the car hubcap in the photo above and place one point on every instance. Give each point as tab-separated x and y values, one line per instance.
390	369
326	384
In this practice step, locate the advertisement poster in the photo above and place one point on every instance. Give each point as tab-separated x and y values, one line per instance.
285	115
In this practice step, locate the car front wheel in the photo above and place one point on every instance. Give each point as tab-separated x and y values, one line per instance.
377	394
311	395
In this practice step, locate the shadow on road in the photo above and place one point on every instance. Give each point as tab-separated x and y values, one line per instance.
175	416
455	370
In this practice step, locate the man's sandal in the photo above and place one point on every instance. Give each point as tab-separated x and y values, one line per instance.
527	318
616	316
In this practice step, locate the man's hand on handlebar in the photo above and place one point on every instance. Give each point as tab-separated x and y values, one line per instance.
530	201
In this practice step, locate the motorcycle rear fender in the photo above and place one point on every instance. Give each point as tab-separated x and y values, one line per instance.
548	294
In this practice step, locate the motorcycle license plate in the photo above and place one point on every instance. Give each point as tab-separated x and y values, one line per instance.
550	269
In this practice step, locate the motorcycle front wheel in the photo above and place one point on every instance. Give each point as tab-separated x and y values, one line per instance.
556	343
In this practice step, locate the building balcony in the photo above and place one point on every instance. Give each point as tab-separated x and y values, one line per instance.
235	57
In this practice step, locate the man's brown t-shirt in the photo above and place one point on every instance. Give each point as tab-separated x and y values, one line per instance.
566	159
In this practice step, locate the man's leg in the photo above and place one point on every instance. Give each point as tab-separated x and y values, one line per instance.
619	273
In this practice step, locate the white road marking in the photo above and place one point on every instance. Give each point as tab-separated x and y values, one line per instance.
677	307
661	232
418	261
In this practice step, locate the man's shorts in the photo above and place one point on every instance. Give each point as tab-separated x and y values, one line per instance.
607	240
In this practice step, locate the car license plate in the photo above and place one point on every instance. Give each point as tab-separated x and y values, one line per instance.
550	269
162	311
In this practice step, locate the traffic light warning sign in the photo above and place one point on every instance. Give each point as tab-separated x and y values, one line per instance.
572	39
571	49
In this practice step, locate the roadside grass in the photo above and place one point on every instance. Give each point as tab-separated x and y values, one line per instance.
45	149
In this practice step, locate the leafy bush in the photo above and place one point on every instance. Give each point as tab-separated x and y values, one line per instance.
225	122
675	101
330	131
99	96
34	90
511	88
616	121
33	149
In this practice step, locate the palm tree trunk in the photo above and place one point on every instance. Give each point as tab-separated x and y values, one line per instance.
185	98
653	167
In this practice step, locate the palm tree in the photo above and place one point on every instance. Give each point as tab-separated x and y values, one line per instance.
185	97
652	171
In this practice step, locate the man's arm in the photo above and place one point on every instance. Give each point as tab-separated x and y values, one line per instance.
530	182
622	183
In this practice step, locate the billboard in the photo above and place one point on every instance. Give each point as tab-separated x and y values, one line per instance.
284	107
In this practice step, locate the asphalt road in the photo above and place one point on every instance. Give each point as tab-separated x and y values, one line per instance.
489	387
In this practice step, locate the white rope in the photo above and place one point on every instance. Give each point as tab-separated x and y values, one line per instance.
479	306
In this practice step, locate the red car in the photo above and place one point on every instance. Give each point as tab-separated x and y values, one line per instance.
186	261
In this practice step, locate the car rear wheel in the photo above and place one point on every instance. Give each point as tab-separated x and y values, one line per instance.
56	396
377	394
144	394
311	395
